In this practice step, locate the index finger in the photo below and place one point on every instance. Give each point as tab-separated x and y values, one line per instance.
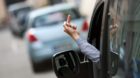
68	19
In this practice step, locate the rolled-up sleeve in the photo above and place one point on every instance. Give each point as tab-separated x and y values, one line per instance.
89	50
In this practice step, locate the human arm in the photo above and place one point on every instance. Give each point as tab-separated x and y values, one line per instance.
89	50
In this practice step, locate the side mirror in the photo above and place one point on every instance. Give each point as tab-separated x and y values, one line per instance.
66	64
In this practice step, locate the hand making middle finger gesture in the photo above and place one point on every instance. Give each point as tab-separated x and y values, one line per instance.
68	23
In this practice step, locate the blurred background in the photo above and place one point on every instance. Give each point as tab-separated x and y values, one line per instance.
31	31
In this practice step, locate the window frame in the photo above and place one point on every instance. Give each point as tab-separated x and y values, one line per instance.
103	72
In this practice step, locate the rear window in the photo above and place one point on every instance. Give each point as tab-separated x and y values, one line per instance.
20	11
55	18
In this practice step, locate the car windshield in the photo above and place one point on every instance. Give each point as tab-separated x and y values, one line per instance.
55	18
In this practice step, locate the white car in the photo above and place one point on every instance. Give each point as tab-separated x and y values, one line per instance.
45	35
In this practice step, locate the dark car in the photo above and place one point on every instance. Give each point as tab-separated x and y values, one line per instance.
115	31
18	13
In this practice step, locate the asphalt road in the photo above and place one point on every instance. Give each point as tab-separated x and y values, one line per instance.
14	59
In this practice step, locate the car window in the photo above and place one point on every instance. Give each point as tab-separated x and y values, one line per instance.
94	35
55	18
21	11
124	32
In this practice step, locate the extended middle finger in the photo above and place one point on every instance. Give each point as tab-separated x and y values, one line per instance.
67	24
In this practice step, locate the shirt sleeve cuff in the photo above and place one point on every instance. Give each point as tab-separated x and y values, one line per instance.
79	41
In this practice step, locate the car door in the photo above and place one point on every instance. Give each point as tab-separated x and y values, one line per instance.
124	38
88	68
94	36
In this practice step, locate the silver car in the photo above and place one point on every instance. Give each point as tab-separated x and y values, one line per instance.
45	35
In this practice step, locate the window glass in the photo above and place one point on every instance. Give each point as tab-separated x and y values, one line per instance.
21	10
55	17
124	28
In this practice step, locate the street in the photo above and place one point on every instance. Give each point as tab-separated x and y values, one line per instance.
14	59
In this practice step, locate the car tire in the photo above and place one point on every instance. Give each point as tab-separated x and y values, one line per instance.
17	34
35	67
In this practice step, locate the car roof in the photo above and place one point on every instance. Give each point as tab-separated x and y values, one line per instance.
17	6
50	9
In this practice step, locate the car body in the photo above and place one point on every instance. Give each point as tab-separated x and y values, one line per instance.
115	31
46	36
18	14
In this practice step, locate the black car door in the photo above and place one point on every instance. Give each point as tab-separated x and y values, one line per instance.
124	39
94	39
94	36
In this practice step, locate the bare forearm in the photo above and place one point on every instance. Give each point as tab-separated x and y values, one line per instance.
75	36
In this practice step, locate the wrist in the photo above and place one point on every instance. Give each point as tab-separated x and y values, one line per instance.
75	36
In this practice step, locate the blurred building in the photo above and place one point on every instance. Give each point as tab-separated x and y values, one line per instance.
9	2
2	11
41	3
37	3
86	8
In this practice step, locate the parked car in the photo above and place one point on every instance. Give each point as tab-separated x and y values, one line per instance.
115	31
45	35
18	14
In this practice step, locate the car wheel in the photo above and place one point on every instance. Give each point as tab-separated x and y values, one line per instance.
17	34
35	67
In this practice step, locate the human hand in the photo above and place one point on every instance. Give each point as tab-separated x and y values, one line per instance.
71	29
